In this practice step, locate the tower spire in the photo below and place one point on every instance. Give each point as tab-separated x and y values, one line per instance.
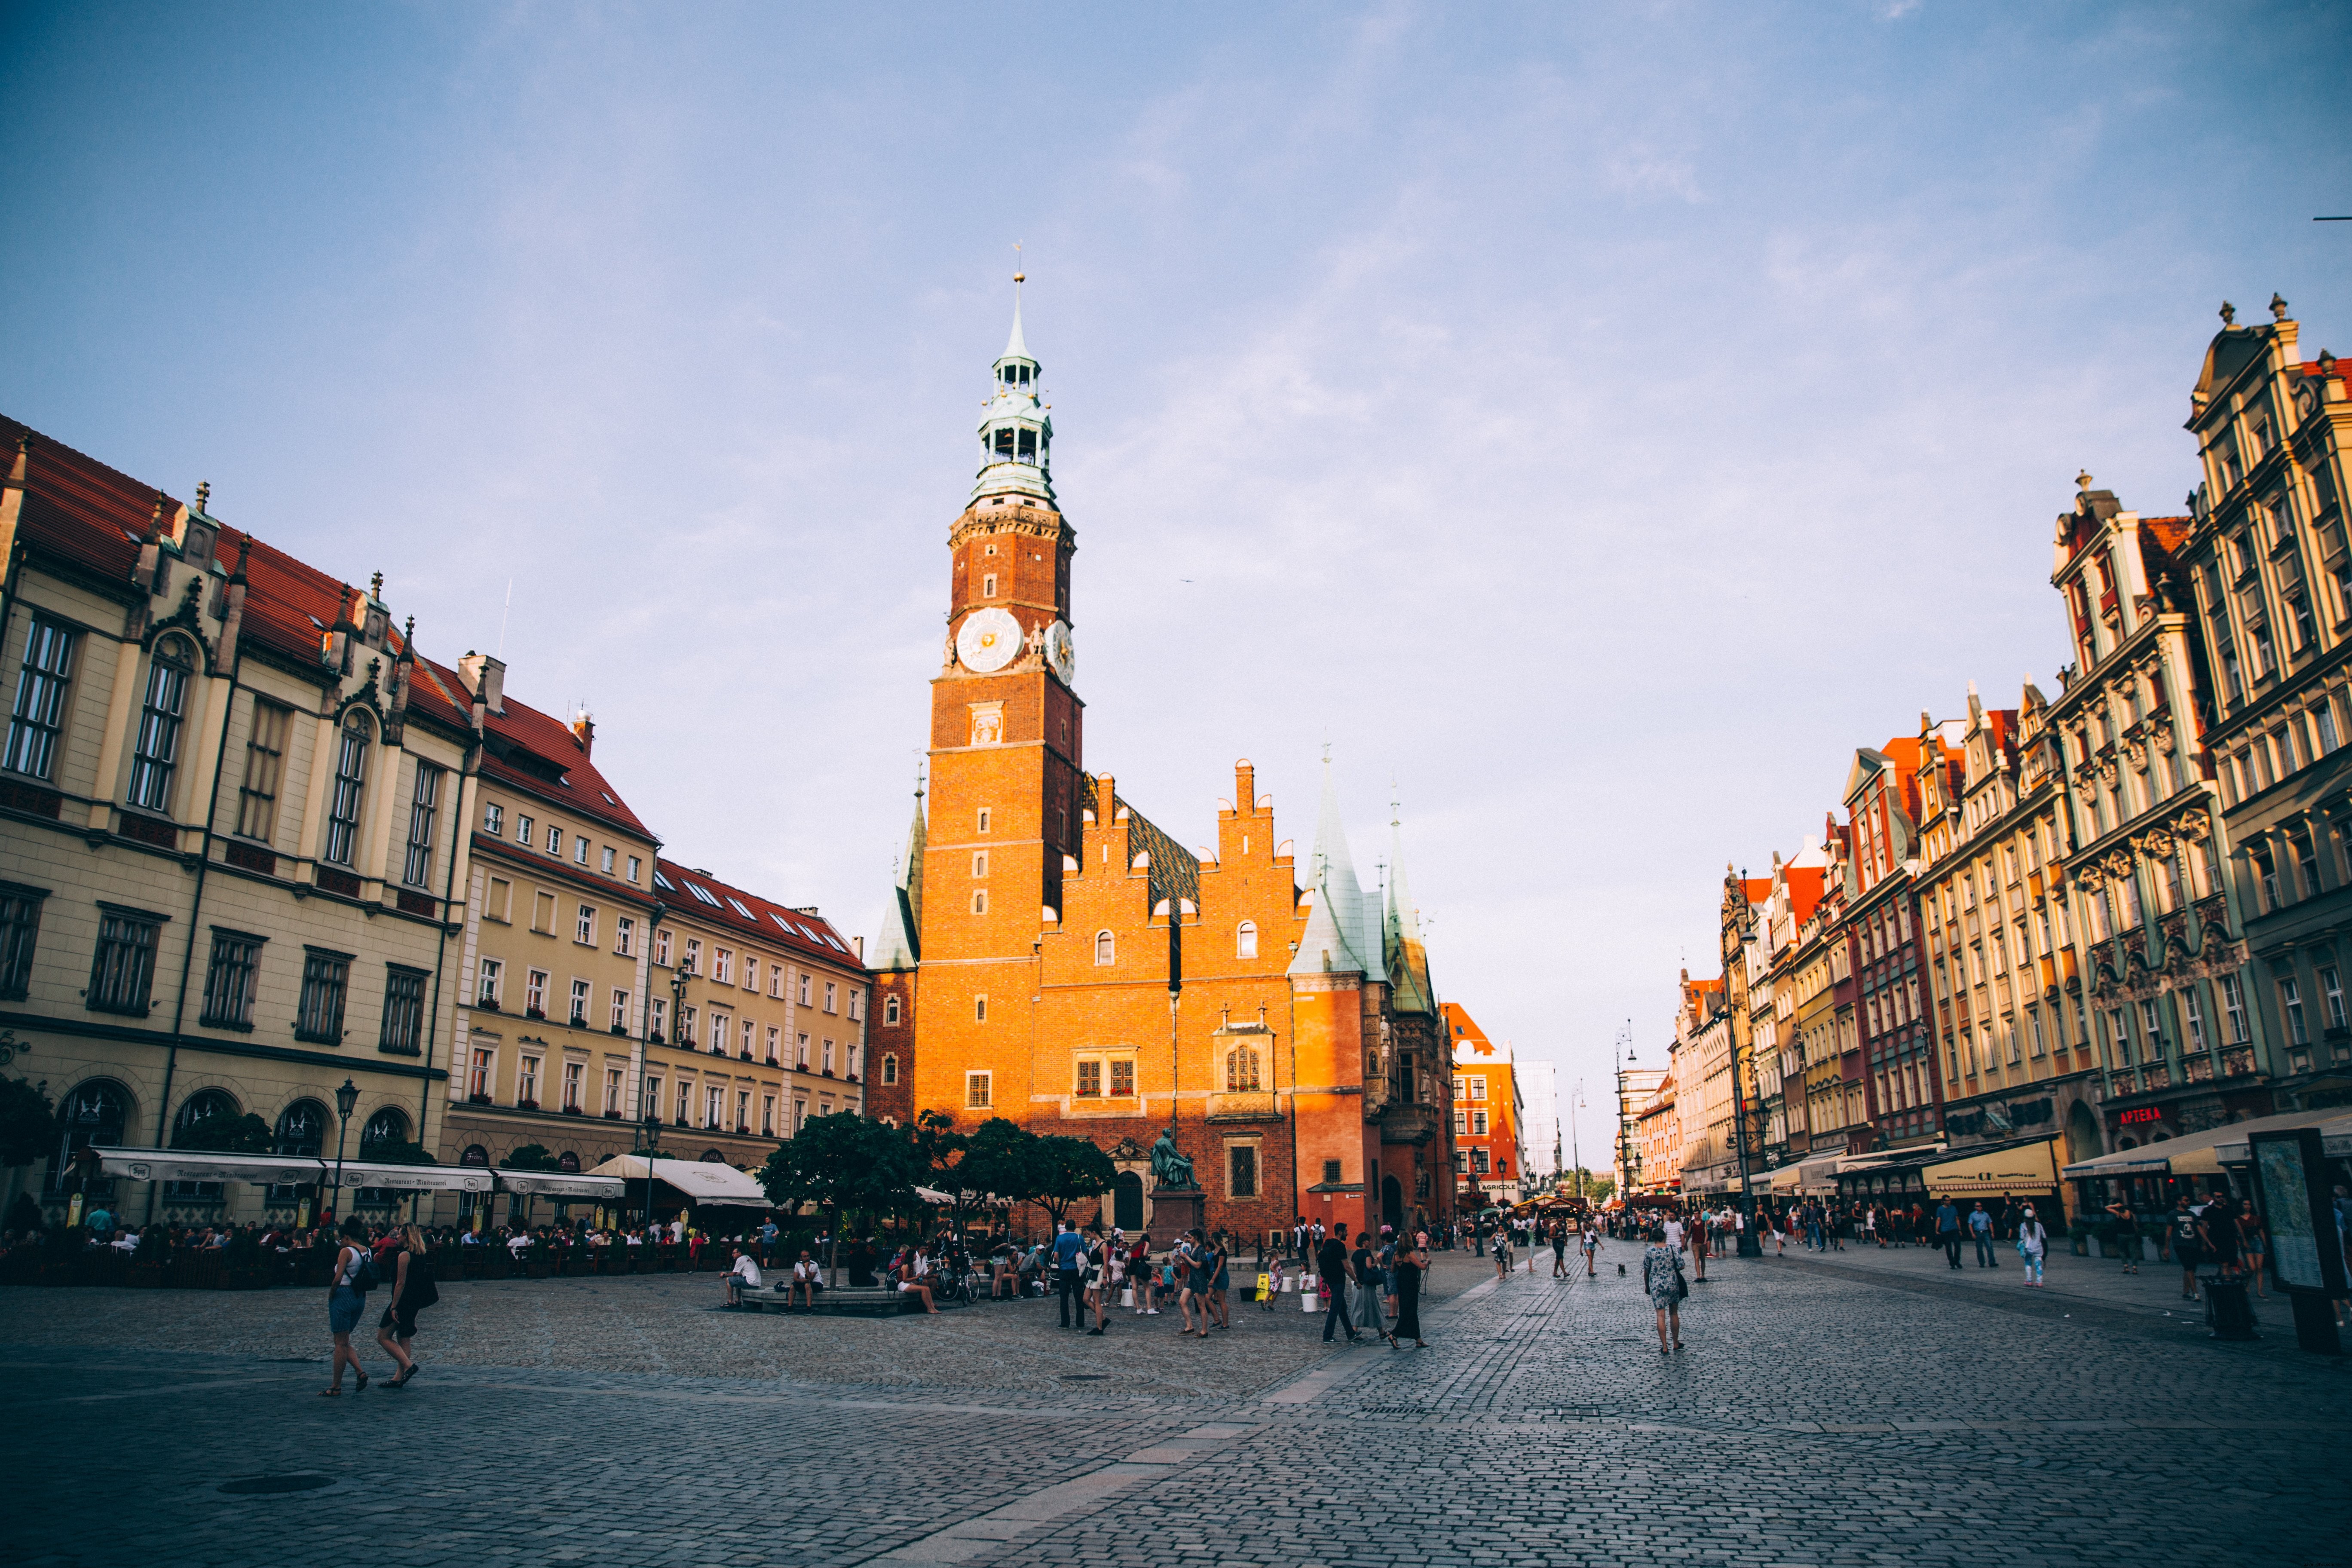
1017	432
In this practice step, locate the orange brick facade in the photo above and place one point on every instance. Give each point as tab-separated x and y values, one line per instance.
1080	972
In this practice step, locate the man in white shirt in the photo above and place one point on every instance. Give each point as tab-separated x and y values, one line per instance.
1673	1232
806	1277
745	1272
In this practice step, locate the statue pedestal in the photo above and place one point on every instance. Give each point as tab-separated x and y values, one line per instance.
1174	1210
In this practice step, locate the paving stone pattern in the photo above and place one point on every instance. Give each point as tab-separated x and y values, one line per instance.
1821	1415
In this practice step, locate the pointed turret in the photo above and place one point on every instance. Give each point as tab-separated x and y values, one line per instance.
900	945
1016	433
1342	931
1401	950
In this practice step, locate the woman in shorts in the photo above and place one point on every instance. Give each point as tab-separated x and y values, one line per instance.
413	1290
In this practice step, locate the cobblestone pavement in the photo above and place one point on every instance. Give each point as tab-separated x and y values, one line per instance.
1821	1415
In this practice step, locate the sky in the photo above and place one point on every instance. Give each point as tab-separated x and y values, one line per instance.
1591	423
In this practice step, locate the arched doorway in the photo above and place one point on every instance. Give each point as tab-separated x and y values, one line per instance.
95	1112
1391	1202
2083	1142
1127	1200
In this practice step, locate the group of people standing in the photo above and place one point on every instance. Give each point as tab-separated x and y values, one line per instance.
1380	1278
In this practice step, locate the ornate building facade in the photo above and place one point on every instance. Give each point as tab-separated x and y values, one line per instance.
2269	577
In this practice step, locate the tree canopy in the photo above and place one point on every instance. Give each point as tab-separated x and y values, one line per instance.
28	1128
529	1157
246	1134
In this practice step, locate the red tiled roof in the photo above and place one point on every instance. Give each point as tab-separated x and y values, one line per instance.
772	922
78	508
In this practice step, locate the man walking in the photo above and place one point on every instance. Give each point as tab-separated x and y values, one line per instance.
1560	1248
1947	1232
1981	1228
1331	1267
1069	1271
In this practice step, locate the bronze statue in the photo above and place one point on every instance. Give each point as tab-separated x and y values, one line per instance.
1171	1169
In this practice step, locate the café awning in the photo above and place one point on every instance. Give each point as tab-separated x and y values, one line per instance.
561	1184
702	1181
2196	1153
2334	1134
189	1165
1990	1172
411	1178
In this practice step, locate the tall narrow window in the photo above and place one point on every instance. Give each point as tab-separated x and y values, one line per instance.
122	970
620	1019
402	1034
1106	948
2233	1004
318	1016
573	1073
265	762
485	993
39	716
1122	1078
2192	1015
1245	940
156	754
578	1019
20	928
2291	1003
228	981
350	782
889	1066
2332	989
422	807
890	1009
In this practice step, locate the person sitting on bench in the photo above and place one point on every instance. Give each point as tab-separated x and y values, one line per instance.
807	1281
745	1272
912	1281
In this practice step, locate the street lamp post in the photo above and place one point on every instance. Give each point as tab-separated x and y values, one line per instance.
346	1098
1742	928
652	1143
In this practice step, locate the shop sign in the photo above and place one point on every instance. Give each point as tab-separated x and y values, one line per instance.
2138	1114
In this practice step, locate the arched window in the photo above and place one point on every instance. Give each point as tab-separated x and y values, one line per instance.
568	1161
155	757
1106	948
302	1127
1245	940
204	1105
385	1127
890	1064
1243	1073
94	1113
350	784
475	1155
713	1157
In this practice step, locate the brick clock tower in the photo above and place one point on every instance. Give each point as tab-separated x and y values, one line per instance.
1007	774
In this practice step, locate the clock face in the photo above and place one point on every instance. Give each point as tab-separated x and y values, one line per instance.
989	640
1061	653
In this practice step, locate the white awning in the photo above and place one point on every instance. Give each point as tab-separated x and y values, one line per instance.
413	1178
704	1181
561	1184
2335	1135
189	1165
2197	1153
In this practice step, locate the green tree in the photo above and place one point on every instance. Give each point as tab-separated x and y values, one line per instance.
845	1164
246	1134
28	1127
529	1157
1063	1170
400	1152
1000	1159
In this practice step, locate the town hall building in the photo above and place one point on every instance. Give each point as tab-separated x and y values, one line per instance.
1053	957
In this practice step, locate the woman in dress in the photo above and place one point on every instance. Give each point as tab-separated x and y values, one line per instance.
1661	1276
1412	1262
345	1302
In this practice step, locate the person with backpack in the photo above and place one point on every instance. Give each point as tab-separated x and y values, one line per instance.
413	1290
2188	1249
351	1279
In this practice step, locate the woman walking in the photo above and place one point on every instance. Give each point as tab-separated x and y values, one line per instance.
2032	1244
413	1290
1369	1289
1661	1276
2252	1237
346	1300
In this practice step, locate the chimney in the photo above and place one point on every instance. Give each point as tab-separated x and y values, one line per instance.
860	944
486	677
583	730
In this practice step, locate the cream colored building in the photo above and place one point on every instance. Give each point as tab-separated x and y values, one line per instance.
769	1003
228	817
560	908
